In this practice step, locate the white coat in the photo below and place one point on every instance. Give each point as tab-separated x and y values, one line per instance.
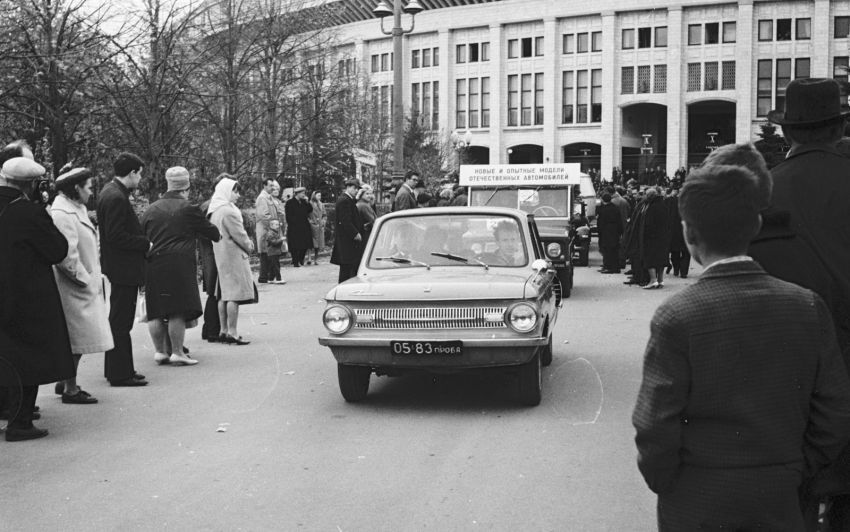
235	280
80	281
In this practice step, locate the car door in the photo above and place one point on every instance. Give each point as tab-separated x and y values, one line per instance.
549	300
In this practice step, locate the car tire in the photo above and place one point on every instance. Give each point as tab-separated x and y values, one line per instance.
546	353
353	381
530	381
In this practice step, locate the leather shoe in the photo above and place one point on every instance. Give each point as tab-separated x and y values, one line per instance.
138	376
213	339
16	434
80	398
160	358
235	341
182	360
129	382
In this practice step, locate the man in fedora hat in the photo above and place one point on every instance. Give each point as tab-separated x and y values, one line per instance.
299	237
34	344
813	186
348	232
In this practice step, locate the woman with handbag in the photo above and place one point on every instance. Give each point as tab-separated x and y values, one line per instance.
235	282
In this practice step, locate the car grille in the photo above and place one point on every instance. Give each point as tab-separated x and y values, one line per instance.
431	318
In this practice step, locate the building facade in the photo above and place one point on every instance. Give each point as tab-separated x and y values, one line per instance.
605	83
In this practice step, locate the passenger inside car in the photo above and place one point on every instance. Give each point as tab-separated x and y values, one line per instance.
509	249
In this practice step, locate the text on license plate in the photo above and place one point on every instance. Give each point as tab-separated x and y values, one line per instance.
454	347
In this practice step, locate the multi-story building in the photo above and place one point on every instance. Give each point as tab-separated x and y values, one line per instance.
601	82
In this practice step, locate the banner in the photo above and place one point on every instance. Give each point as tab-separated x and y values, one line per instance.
519	175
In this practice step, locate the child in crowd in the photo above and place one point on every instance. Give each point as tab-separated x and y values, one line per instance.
274	240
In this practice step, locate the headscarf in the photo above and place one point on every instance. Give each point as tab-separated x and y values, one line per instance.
221	196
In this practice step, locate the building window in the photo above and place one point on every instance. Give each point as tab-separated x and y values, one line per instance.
538	46
513	48
581	43
839	68
802	68
763	95
460	56
660	81
783	77
567	98
426	99
376	63
460	112
436	52
526	98
596	41
841	29
728	76
694	76
643	79
526	47
661	36
414	59
628	39
712	33
783	31
804	29
596	95
385	62
426	58
473	102
730	32
538	99
473	52
694	34
513	99
627	85
435	113
765	30
581	96
485	102
568	43
414	99
710	76
485	51
644	37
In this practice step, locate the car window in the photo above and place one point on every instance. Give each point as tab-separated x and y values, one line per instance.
538	201
460	240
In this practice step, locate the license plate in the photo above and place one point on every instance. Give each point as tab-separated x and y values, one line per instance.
451	348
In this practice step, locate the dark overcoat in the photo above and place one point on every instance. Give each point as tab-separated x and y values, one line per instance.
743	395
298	232
609	224
33	333
171	285
123	244
677	234
348	225
655	234
209	272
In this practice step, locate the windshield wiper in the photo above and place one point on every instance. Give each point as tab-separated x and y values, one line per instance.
491	196
403	260
458	258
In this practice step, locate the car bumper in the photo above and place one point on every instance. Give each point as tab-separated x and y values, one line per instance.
477	353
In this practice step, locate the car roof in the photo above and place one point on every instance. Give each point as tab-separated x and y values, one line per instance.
434	211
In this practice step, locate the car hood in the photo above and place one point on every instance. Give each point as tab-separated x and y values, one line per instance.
419	284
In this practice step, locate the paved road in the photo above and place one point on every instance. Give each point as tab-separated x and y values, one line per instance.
452	454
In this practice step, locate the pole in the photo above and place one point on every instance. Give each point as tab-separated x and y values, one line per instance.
397	107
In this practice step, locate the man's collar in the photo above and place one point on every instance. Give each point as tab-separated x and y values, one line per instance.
124	189
800	149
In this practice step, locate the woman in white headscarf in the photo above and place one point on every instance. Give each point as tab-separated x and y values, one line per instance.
235	282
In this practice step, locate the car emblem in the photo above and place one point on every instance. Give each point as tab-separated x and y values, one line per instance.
427	289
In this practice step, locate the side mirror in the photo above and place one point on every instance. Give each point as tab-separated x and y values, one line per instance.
540	265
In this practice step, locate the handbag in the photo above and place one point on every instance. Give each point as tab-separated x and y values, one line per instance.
141	309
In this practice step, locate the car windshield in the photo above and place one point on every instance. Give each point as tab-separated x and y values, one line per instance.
457	240
538	201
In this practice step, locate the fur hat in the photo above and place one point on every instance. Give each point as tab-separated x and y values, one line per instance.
177	178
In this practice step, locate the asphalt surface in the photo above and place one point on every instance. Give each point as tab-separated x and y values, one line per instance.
258	437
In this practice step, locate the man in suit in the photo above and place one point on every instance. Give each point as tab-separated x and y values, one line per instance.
744	392
405	197
348	233
609	222
123	246
266	212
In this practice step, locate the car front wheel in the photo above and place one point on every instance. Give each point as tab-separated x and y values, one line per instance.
546	353
530	381
353	381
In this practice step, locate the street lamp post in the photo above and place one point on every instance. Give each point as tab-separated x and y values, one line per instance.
383	10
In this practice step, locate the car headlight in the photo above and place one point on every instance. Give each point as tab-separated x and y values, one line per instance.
521	317
553	250
337	319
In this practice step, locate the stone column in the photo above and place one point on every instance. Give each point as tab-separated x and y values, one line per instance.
498	96
677	112
551	82
447	90
821	30
610	152
745	65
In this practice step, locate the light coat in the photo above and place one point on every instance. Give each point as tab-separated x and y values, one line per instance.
265	213
232	251
80	280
